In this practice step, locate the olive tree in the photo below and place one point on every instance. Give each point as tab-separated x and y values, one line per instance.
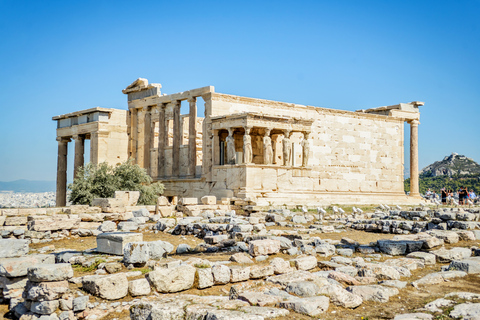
103	180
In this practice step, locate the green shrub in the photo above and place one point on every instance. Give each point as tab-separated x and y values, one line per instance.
103	180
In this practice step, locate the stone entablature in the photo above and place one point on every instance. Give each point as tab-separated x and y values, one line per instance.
266	150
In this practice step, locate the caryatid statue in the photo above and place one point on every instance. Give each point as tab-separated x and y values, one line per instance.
287	149
247	146
306	149
230	147
267	147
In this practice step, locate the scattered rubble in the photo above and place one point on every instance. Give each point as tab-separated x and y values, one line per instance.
277	262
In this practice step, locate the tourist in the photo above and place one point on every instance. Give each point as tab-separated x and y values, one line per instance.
428	194
472	196
444	196
462	195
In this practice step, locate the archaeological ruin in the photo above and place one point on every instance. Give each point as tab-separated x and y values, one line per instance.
264	152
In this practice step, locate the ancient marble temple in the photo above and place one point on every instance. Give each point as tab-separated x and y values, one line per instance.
263	151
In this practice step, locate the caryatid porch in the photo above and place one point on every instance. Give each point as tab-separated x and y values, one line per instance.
253	138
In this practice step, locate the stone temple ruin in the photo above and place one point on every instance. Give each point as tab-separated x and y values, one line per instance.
259	151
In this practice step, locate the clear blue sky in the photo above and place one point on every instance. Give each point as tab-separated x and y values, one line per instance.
61	56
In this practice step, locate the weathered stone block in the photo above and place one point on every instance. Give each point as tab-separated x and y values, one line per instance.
173	280
45	291
306	263
166	211
57	223
110	287
15	221
303	288
312	306
221	274
17	267
264	247
139	287
44	307
114	242
50	272
373	292
205	278
427	258
141	252
470	265
80	303
210	200
257	272
188	201
239	273
142	212
10	248
445	256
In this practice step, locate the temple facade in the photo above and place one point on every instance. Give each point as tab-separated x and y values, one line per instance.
264	152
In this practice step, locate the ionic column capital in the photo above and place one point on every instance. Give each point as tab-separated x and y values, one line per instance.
414	122
63	139
78	137
192	99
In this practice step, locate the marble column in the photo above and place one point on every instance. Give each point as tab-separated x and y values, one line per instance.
414	187
147	128
140	140
61	195
305	149
134	134
162	141
192	137
176	139
94	148
247	146
151	146
79	159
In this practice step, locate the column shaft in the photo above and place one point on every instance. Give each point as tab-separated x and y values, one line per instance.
133	135
414	187
162	138
61	195
147	137
94	148
140	155
79	159
176	139
192	138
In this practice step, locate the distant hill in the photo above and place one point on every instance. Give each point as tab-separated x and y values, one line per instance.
452	172
451	165
28	186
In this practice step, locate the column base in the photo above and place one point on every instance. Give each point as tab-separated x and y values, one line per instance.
415	195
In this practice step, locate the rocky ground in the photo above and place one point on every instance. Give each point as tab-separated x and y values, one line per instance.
415	263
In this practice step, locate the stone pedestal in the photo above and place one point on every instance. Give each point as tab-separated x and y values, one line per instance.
114	242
